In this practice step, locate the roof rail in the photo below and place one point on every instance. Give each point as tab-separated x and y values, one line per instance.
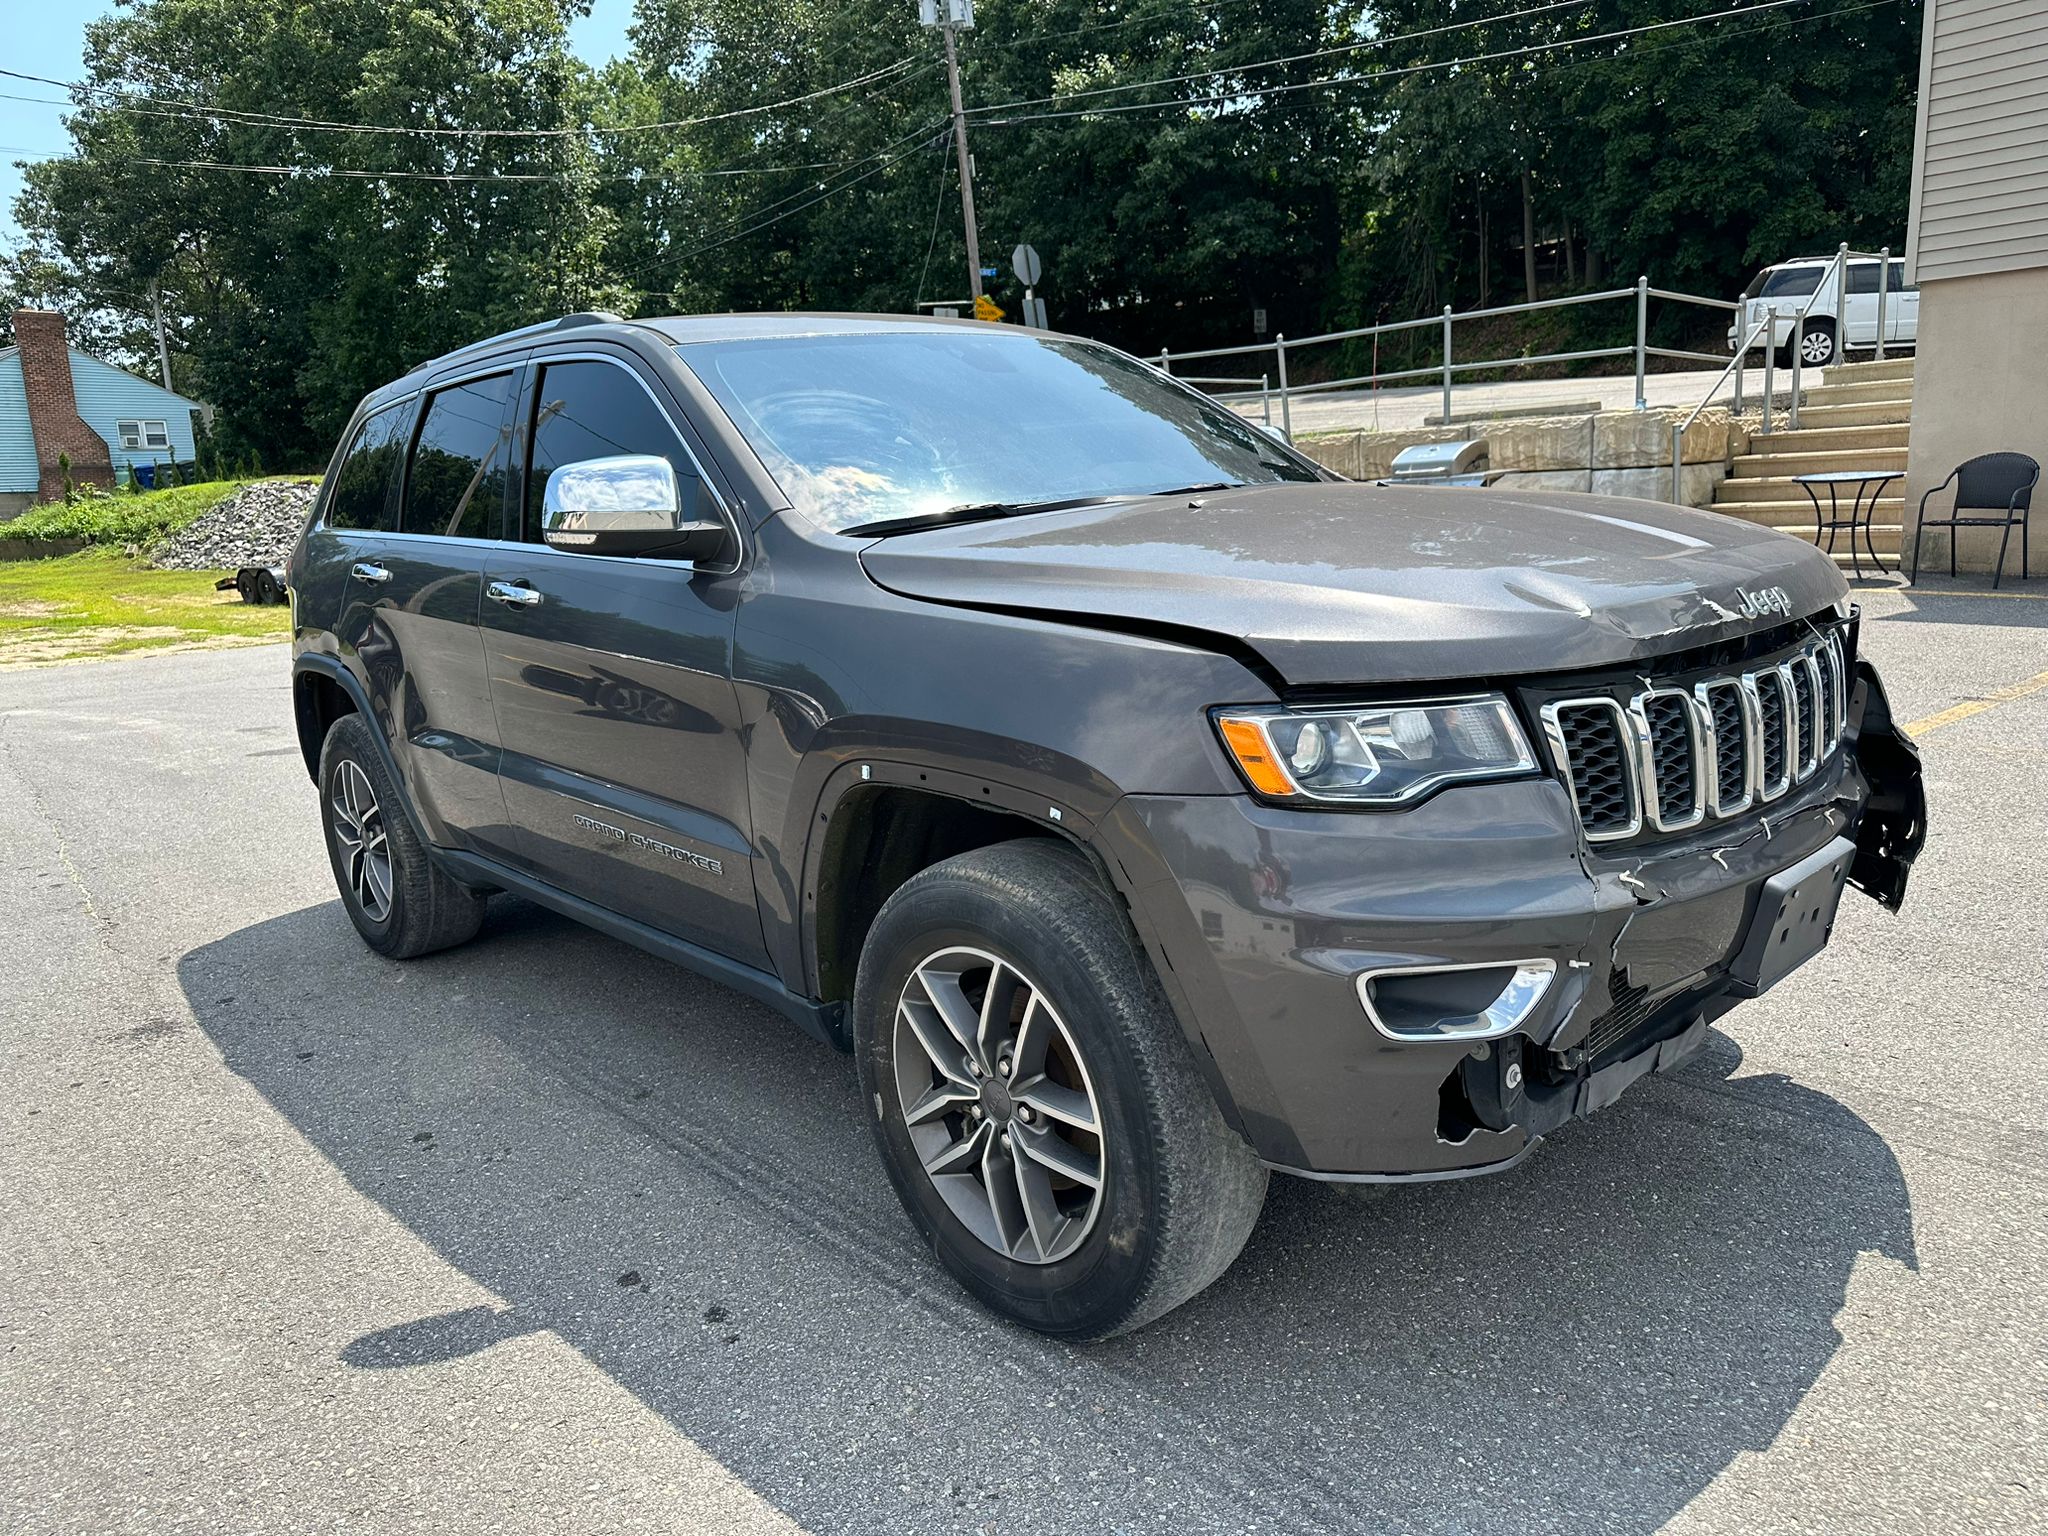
562	323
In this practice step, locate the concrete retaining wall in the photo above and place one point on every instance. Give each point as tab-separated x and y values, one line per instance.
1609	453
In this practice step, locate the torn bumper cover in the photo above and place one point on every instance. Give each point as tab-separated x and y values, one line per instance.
1427	994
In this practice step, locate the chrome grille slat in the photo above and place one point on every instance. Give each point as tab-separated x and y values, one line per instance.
1670	758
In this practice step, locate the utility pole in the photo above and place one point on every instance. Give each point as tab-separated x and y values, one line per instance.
949	16
163	350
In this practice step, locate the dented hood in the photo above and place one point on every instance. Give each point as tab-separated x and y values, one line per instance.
1353	583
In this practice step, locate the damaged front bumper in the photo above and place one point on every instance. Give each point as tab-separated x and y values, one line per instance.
1367	987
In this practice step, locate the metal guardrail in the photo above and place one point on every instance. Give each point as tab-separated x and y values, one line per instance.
1450	366
1836	280
1263	383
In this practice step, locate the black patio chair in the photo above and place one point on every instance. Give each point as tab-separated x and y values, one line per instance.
2001	483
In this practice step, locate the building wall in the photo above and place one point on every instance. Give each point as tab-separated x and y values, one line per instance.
17	442
1980	162
1980	385
107	396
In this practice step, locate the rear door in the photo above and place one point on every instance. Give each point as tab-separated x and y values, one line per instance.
413	587
1901	309
612	680
1859	312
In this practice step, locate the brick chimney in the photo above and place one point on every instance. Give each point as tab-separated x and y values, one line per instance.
53	407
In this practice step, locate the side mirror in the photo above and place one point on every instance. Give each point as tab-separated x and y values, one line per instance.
628	505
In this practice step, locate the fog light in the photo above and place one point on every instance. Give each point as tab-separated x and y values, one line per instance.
1454	1002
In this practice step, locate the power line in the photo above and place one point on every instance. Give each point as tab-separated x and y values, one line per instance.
1255	93
713	245
938	204
159	107
1334	51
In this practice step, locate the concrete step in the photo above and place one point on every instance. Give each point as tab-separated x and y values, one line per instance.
1797	515
1876	391
1776	461
1781	487
1868	372
1868	414
1884	537
1810	439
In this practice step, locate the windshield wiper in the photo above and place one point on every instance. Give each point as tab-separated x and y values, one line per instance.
969	512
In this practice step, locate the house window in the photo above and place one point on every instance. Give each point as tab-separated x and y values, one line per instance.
139	435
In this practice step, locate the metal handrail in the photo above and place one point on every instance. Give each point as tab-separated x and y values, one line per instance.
1837	274
1448	369
1679	430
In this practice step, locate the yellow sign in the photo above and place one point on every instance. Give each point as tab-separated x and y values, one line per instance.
986	308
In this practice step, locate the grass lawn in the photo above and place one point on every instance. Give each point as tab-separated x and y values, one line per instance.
100	603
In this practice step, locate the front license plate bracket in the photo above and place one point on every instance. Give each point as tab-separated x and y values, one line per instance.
1795	914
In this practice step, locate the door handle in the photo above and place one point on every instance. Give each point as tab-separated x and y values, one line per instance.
362	570
511	592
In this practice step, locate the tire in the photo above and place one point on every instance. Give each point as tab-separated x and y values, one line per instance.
413	909
1178	1191
1820	350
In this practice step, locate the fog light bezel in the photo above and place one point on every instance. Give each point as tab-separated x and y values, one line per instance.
1491	1023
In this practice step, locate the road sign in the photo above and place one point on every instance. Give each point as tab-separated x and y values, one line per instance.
991	271
1025	263
986	308
1034	313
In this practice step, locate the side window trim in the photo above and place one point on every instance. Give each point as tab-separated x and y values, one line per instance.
356	427
500	368
539	361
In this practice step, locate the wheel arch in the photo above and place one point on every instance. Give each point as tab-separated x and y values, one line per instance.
324	691
879	822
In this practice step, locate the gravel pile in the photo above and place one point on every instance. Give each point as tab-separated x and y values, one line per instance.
254	526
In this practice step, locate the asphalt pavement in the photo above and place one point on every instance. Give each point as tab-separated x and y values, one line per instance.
543	1235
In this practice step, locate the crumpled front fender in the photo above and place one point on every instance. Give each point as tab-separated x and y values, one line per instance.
1894	825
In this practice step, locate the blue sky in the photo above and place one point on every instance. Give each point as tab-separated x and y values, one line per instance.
47	37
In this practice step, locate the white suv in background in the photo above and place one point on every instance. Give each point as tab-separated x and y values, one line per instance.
1833	323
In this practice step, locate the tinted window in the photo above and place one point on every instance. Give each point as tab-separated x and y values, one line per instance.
361	496
599	411
868	427
456	483
1792	283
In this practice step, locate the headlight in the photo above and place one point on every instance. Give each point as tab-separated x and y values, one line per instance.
1381	755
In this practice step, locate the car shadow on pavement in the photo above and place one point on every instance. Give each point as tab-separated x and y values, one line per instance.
680	1185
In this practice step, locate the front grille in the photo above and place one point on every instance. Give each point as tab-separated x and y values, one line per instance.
1723	698
1596	751
1674	756
1808	754
1770	696
1673	748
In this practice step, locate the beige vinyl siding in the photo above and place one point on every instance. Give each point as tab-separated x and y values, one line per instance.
1980	162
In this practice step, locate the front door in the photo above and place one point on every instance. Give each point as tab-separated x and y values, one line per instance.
612	682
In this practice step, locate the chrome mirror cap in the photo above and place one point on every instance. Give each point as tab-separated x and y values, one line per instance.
629	504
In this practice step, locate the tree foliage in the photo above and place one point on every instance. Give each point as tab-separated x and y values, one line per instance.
1180	164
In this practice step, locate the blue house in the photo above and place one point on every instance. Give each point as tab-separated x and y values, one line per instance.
58	406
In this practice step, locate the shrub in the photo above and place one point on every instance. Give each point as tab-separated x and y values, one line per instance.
104	519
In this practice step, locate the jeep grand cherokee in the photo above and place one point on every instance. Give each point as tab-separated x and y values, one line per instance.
1145	807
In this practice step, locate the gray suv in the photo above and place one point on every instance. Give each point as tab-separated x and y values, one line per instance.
1146	808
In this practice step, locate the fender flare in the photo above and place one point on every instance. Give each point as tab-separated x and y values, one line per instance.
1092	837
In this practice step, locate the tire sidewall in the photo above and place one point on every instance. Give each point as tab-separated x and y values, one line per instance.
1834	346
1088	1291
347	742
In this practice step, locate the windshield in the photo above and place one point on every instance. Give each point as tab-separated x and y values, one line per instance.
882	425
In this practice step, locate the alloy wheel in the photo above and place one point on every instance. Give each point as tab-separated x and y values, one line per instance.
359	831
999	1105
1816	347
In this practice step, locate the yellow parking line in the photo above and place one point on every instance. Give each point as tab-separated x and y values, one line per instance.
1908	591
1977	706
